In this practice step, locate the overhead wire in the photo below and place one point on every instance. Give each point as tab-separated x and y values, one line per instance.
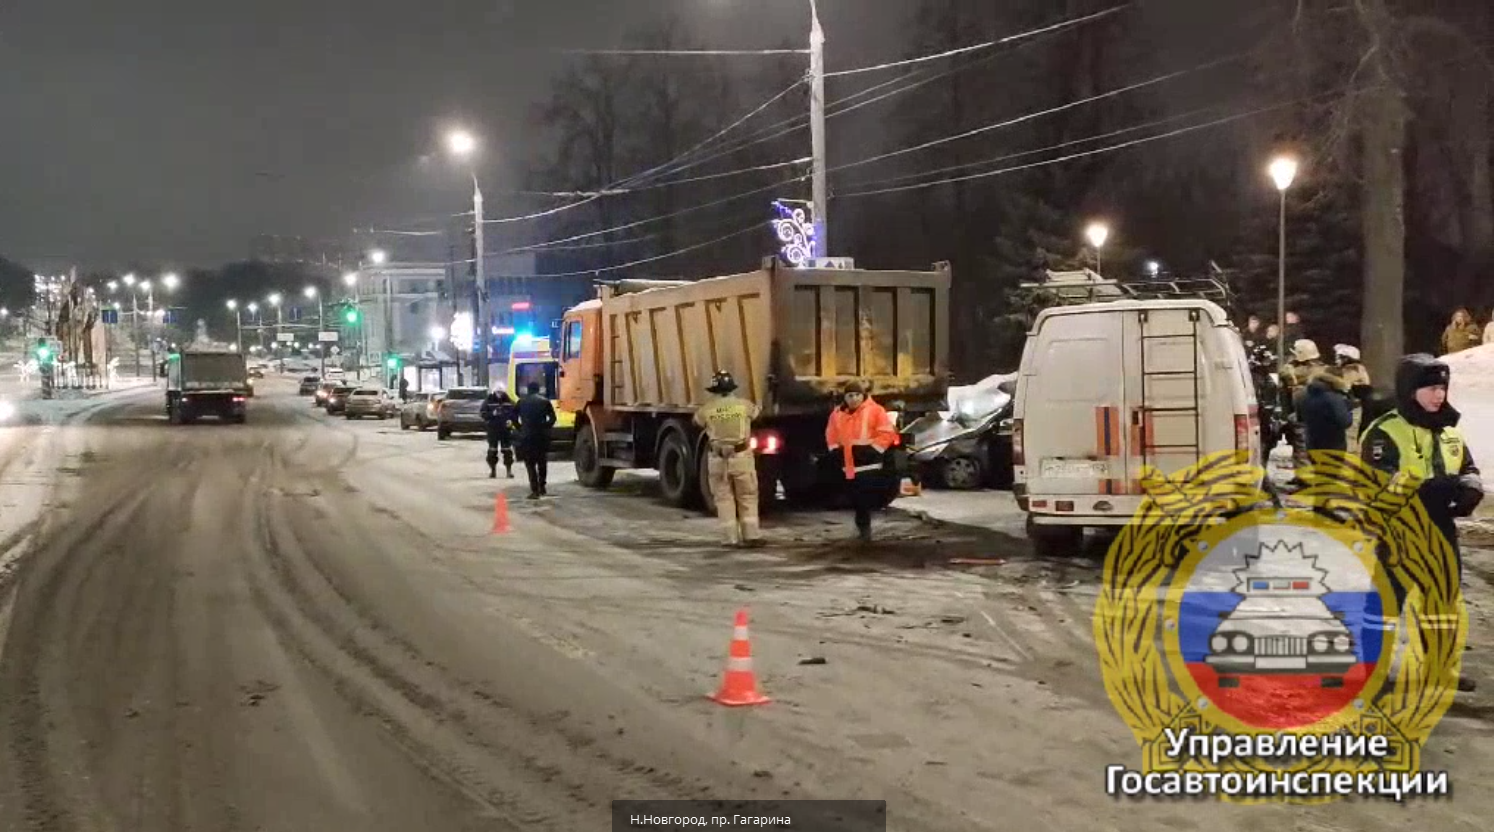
793	124
634	177
1069	157
892	154
1053	27
755	227
1019	154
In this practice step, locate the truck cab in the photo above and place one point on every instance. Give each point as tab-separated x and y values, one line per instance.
532	360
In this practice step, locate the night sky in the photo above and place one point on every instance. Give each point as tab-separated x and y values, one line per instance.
174	131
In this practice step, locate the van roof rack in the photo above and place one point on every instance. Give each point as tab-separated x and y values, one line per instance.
1085	286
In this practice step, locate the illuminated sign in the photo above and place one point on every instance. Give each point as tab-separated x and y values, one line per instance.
793	222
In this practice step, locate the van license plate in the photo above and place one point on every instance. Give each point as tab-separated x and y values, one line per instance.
1076	469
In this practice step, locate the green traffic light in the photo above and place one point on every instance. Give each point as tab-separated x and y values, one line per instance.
392	363
43	354
352	316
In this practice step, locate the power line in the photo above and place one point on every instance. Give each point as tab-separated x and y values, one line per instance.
795	123
1070	157
645	221
637	176
719	133
1017	155
684	52
1039	114
757	227
1063	24
672	182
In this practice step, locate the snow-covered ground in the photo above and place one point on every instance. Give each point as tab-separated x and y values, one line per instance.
1472	393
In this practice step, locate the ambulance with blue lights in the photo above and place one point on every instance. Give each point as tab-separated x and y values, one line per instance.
530	360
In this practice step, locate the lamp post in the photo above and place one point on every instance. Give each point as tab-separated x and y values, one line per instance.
1283	170
819	174
386	305
321	312
238	322
1097	233
129	282
274	300
463	145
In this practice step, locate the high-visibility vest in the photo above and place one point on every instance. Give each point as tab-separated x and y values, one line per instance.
1419	448
868	425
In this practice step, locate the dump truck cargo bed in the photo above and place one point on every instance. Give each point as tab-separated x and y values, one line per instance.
791	338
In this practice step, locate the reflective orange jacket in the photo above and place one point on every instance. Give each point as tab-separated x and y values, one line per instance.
866	426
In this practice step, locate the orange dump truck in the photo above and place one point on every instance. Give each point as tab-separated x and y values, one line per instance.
636	360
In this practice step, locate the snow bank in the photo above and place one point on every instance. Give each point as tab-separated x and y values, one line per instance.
1472	393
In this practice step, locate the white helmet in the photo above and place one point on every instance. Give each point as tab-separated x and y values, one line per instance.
1346	353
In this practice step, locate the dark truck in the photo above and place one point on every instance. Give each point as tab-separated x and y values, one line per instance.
206	382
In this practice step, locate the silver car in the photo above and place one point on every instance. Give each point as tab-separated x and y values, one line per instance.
460	411
368	401
419	411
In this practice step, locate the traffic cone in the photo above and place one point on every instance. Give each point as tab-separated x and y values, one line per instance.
500	514
911	488
739	685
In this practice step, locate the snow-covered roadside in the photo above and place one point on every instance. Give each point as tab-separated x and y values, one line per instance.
1472	393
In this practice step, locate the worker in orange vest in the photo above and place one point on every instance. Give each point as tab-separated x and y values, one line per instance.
863	432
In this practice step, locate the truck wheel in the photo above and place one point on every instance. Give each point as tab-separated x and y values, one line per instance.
703	480
589	471
1055	541
679	475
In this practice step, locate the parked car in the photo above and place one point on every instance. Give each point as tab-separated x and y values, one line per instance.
256	372
460	411
337	398
369	401
419	411
309	384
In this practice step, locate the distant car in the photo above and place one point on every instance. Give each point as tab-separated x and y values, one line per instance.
368	401
309	384
256	372
460	411
419	411
337	398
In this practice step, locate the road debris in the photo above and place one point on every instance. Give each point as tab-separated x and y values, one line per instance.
814	660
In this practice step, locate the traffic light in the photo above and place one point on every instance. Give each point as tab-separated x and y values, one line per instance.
43	353
392	362
351	316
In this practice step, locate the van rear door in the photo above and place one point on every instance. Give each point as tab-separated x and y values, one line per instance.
1169	383
1073	386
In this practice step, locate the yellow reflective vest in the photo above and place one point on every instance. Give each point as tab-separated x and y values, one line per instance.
1419	452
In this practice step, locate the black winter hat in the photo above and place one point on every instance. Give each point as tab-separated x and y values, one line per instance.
1417	371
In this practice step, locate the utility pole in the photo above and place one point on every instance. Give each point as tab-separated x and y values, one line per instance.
821	193
480	326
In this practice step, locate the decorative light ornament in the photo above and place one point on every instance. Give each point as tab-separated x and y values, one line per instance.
794	225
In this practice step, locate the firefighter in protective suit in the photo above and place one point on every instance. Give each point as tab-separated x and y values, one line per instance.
727	421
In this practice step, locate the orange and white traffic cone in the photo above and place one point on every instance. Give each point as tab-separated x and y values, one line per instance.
739	685
500	514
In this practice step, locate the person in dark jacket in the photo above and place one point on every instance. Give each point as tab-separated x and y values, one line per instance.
1421	438
1325	411
498	413
536	417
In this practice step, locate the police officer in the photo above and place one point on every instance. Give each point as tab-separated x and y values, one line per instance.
1421	438
730	464
536	416
498	413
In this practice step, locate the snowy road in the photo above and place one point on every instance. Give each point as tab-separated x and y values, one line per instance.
305	623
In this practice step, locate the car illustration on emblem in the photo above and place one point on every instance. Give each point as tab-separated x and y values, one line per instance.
1282	625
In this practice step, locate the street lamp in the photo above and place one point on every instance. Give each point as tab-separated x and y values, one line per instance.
1097	233
129	279
463	144
112	285
378	257
170	281
1283	170
238	321
350	279
1153	268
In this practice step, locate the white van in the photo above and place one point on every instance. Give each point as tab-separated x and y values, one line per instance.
1106	388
